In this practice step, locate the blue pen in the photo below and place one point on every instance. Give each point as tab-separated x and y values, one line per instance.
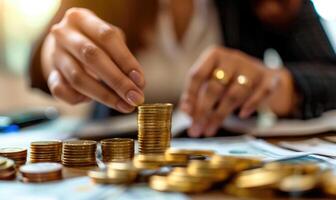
9	129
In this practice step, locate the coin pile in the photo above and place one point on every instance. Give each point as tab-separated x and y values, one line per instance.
78	153
7	169
46	151
291	178
180	170
154	127
18	155
41	172
117	149
116	173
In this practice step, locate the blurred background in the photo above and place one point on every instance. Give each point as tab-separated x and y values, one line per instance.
22	22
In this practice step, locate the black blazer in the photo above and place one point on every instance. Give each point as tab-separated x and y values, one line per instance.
304	48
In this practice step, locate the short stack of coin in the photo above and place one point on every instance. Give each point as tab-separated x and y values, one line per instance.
117	149
154	127
79	153
7	169
18	155
46	151
41	172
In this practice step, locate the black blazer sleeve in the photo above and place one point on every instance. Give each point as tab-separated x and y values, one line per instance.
311	60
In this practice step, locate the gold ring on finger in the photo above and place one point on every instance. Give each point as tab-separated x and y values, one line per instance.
221	76
242	80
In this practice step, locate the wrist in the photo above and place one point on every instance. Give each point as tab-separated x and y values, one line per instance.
285	99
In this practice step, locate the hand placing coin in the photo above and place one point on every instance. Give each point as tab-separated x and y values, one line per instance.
85	58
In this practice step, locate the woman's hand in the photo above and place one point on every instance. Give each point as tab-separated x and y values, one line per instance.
223	80
84	58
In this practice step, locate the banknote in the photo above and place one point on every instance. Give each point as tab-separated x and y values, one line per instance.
238	146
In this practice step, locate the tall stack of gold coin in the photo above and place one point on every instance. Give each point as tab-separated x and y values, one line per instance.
154	127
117	149
46	151
17	154
79	153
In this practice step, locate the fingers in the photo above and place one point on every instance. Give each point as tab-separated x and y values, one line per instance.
208	96
86	84
90	55
266	87
198	74
231	100
61	90
110	39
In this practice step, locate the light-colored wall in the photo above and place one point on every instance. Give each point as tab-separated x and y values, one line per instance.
15	94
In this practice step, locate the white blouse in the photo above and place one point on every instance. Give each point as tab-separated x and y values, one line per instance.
166	61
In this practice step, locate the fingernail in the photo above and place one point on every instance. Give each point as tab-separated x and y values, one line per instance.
136	78
123	107
134	98
195	130
211	131
245	113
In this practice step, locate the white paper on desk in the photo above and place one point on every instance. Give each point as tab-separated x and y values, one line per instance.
314	145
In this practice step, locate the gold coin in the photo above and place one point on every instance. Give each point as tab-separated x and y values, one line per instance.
190	152
298	183
12	150
297	168
3	160
258	178
159	183
8	165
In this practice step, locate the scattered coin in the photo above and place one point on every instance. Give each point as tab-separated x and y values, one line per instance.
116	173
41	172
298	183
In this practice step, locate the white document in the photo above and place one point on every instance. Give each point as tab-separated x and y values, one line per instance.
314	145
